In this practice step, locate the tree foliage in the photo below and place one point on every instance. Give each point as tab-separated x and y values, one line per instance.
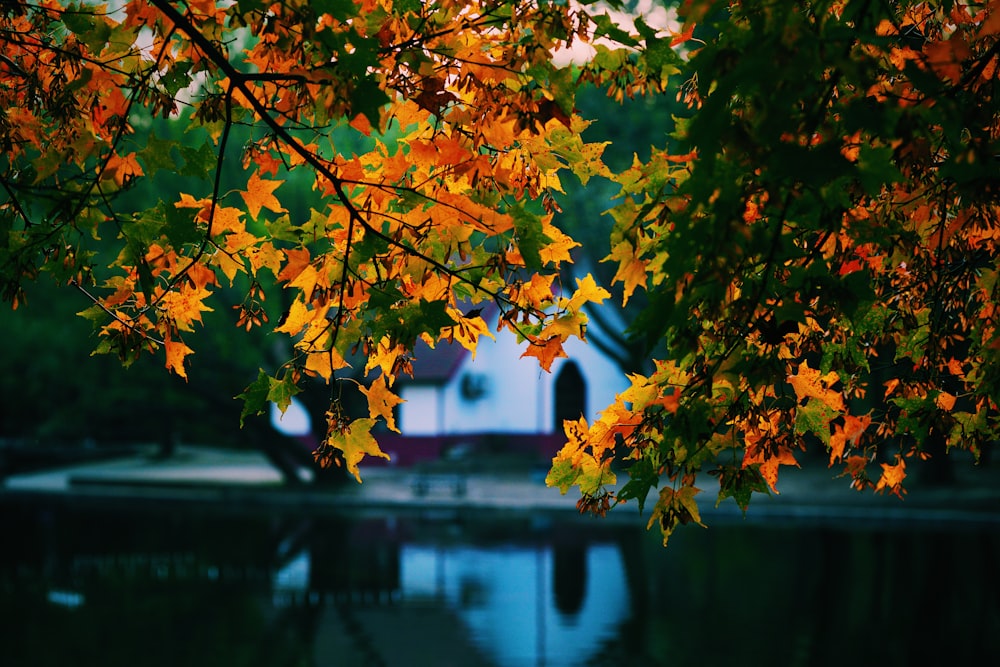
817	241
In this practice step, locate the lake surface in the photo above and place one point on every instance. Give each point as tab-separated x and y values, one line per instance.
110	587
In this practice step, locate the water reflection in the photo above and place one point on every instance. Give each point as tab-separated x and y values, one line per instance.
109	588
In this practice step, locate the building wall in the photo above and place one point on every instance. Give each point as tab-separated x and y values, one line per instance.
421	414
499	392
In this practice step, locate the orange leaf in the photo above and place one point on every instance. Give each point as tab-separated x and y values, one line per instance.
259	195
545	351
845	435
945	401
185	305
892	477
769	464
176	351
298	260
809	384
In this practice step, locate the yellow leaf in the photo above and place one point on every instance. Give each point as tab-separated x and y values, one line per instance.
558	247
298	316
587	290
259	195
468	330
325	363
356	442
384	356
631	270
381	401
570	324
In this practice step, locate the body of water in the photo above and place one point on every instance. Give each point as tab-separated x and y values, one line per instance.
110	587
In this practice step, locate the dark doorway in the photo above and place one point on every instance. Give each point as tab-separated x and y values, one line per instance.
571	394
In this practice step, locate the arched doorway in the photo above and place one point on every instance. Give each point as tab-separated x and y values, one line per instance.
571	394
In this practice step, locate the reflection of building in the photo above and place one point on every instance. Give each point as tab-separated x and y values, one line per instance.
454	399
397	598
508	597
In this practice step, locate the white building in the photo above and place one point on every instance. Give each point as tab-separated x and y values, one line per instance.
454	399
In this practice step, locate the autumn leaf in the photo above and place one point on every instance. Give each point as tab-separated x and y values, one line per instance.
631	270
892	478
673	508
356	442
421	150
176	352
768	464
546	351
381	402
945	401
259	194
186	305
847	435
325	363
467	330
808	383
587	291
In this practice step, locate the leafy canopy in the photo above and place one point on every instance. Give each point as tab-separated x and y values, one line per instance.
817	240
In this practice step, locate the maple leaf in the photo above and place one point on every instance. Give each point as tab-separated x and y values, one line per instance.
176	352
356	442
847	435
564	326
545	350
259	195
768	464
674	507
467	330
381	401
297	317
631	270
587	291
556	250
892	478
186	305
808	383
297	261
325	363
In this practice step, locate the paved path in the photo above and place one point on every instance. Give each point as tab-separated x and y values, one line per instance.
246	480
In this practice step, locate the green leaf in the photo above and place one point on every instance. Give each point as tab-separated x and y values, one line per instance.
606	27
530	238
88	28
356	443
563	474
198	162
815	417
157	155
255	396
740	484
280	392
876	168
342	10
368	99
